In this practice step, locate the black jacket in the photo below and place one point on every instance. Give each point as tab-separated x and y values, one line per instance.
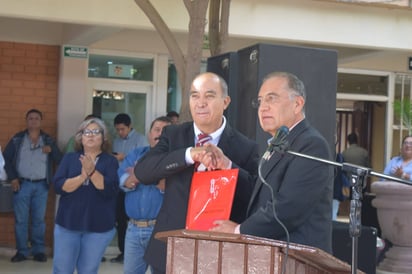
167	160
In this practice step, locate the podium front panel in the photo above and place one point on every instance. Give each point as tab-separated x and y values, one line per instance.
210	252
189	256
232	257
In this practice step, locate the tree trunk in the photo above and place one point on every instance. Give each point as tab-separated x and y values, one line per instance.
166	34
218	25
197	13
189	66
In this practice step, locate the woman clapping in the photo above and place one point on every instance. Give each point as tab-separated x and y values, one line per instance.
88	184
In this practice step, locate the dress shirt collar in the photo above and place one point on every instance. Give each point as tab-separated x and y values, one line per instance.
215	135
131	132
290	129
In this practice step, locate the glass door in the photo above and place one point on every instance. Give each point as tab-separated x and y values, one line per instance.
108	103
107	98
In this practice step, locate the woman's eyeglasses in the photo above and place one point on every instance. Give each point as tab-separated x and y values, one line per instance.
91	132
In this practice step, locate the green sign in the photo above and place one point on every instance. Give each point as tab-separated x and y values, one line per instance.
75	52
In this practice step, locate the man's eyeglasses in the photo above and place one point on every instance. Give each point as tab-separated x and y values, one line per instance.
268	99
91	132
407	143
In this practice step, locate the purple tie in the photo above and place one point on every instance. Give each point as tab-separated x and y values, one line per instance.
201	140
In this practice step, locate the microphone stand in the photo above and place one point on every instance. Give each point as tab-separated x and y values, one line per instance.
358	174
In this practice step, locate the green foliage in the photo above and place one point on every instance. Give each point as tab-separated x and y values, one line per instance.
402	109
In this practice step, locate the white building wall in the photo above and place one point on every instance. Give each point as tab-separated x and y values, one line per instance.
284	20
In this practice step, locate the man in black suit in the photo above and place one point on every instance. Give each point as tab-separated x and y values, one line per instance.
174	156
302	187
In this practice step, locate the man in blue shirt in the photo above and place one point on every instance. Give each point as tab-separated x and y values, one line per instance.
142	203
127	140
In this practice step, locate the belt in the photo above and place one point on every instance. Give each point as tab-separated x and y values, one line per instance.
142	223
33	181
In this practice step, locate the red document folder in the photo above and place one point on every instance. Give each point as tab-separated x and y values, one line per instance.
211	198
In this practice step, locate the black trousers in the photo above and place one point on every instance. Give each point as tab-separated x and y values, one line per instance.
121	221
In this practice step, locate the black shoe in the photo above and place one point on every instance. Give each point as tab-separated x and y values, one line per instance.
118	259
103	259
18	258
40	257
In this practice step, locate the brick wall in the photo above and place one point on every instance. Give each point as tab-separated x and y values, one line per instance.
28	79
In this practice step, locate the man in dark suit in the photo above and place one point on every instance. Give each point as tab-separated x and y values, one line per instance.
302	187
174	156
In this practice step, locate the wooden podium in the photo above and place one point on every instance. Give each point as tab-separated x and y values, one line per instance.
190	251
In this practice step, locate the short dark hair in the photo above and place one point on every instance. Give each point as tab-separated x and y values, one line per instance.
172	113
161	119
33	110
353	138
122	118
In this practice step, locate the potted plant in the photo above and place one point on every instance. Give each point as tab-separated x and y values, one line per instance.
402	111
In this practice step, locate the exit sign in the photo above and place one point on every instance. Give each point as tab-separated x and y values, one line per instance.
75	52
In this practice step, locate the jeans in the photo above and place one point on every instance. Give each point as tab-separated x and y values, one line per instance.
335	209
137	239
121	221
30	201
79	250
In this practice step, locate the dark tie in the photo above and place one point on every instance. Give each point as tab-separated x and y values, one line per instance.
201	140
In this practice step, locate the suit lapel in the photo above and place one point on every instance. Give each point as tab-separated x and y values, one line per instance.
225	139
268	166
277	156
189	136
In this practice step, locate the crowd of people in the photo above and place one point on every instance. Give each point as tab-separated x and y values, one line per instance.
138	186
91	202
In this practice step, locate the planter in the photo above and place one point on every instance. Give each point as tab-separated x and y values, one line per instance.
394	206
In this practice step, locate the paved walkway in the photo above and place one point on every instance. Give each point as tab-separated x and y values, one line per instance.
33	267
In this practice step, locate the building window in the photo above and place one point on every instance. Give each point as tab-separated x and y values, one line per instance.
120	67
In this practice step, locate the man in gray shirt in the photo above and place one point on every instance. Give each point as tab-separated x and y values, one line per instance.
29	156
355	154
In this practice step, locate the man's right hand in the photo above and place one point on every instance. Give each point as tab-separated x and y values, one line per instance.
131	181
15	185
119	156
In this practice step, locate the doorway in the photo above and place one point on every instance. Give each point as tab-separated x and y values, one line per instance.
362	107
107	98
108	103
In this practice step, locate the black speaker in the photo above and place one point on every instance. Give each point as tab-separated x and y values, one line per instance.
226	66
369	213
342	246
317	68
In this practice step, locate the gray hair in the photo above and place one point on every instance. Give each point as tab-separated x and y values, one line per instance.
295	85
106	144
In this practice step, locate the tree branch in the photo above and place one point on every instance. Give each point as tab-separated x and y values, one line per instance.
224	25
167	36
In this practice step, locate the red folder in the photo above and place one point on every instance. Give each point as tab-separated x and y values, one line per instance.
211	198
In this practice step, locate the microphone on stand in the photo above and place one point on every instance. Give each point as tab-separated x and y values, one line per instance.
358	175
277	143
280	144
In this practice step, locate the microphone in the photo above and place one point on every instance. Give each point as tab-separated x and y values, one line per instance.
278	142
